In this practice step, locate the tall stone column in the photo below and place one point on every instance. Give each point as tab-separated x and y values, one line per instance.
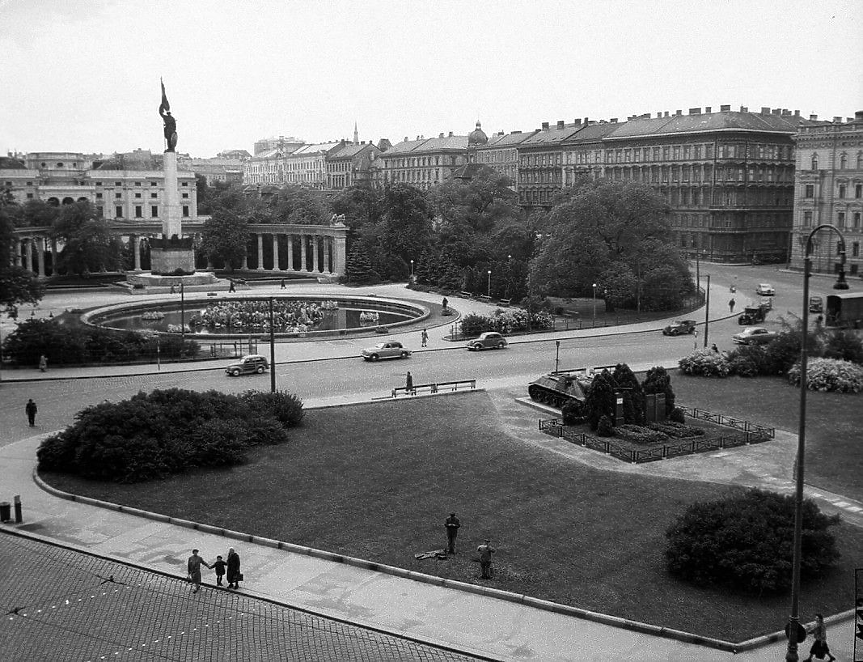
40	256
171	220
304	251
276	252
245	262
339	262
28	254
314	243
290	264
260	252
16	245
136	248
54	270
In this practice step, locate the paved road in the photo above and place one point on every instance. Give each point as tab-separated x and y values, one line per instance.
60	604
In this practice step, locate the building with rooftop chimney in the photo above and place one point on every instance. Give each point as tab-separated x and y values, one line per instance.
829	189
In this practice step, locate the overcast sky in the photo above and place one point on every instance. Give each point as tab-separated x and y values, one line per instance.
83	75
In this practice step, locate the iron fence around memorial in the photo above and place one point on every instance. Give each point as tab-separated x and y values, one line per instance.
750	433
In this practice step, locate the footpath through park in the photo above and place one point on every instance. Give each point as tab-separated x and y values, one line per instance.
472	618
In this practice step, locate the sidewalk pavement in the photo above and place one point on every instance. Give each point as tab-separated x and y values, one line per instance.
462	617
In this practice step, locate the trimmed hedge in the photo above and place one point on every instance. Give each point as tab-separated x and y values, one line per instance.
746	542
168	431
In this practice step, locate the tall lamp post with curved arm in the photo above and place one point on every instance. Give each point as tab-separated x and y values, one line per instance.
794	620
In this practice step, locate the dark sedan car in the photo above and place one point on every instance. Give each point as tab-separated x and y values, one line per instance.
679	328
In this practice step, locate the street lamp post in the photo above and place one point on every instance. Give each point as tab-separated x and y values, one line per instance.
707	310
182	320
557	355
794	619
697	272
594	304
488	292
412	269
272	350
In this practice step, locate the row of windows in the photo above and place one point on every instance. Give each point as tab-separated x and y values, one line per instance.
841	191
151	183
422	161
853	220
843	161
139	211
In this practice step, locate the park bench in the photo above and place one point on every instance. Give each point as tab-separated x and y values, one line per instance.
434	388
505	302
465	295
485	298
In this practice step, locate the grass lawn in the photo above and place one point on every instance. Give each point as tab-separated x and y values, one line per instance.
834	452
377	480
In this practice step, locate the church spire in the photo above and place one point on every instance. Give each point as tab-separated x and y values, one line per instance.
356	135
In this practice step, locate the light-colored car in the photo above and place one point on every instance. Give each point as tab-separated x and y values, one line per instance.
487	340
754	335
765	290
248	364
392	349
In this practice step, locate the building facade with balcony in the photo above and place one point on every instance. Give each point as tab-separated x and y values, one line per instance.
501	153
423	163
350	165
829	189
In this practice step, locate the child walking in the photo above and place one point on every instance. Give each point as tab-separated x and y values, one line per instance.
219	566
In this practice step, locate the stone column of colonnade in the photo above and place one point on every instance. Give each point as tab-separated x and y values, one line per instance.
260	252
40	257
28	253
54	271
314	246
276	253
290	264
136	248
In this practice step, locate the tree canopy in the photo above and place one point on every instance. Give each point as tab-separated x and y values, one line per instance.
88	244
224	237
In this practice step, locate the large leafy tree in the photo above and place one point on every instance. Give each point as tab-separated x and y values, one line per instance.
18	285
406	229
361	204
88	244
297	204
224	237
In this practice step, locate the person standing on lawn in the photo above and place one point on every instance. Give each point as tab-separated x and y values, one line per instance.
819	646
452	524
234	574
485	551
424	337
409	383
194	566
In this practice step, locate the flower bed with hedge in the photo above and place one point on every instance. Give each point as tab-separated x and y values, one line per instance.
513	320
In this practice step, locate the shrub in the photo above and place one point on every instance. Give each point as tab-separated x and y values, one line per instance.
705	363
601	399
168	431
829	375
783	351
843	345
573	413
633	394
745	542
677	416
604	427
748	361
285	407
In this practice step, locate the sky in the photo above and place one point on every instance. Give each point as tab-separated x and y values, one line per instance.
83	75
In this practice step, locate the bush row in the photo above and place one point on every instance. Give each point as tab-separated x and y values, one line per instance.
506	321
168	431
65	344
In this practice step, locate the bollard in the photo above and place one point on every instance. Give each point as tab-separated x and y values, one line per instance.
5	511
18	517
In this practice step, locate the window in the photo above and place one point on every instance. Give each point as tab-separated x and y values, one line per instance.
843	161
841	191
185	210
137	183
98	196
856	221
137	195
840	220
29	196
139	212
100	212
807	218
117	196
814	162
118	183
154	195
154	211
154	184
184	184
185	195
118	212
858	191
810	191
855	249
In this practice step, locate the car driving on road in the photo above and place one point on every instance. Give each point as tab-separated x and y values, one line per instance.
765	290
679	328
248	364
392	349
487	340
754	335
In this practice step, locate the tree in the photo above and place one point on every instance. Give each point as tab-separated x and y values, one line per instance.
406	229
17	285
657	380
359	268
88	244
601	399
361	205
299	205
633	394
224	237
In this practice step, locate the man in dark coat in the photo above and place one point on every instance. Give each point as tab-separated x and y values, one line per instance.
452	525
233	569
30	408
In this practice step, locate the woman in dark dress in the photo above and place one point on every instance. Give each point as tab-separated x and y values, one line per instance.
233	568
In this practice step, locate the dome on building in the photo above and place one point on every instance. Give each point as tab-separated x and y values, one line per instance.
477	136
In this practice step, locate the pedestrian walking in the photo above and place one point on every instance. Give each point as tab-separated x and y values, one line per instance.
424	337
31	409
731	305
231	287
444	303
485	551
234	574
283	286
452	524
219	566
819	646
194	566
43	363
409	382
173	289
695	339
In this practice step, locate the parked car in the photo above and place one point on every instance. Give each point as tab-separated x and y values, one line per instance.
765	290
754	335
391	349
816	305
679	328
488	340
248	364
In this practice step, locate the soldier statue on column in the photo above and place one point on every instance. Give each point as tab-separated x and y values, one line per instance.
170	122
